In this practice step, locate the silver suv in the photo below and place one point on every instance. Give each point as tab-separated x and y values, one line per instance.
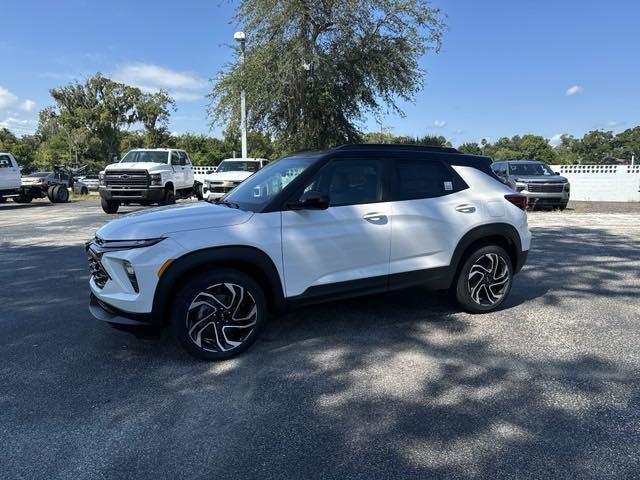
541	185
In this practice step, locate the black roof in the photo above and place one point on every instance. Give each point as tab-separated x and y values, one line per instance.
396	147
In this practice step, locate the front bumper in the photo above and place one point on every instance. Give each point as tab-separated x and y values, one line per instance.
134	195
110	314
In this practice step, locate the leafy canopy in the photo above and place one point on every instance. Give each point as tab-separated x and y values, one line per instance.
314	68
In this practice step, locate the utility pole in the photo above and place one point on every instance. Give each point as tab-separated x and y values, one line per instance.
241	38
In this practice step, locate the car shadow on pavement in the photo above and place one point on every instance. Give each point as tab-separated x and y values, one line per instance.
400	385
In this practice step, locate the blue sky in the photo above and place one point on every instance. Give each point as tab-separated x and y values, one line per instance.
506	67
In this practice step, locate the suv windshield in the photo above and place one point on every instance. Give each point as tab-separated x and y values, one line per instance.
530	169
148	156
259	189
238	166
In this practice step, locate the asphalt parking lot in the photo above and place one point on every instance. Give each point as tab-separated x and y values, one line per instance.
402	385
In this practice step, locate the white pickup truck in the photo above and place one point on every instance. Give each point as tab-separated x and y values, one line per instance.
147	176
229	174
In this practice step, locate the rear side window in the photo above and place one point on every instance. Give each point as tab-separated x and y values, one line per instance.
415	179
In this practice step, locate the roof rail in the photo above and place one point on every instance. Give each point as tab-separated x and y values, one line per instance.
394	146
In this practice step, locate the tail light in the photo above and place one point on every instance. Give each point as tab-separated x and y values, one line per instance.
519	201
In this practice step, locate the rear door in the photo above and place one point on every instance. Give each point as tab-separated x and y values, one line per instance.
346	247
9	173
188	170
178	170
431	211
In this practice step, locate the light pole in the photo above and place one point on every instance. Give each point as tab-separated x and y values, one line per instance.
241	38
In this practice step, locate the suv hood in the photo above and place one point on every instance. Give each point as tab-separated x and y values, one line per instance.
136	166
540	179
236	175
161	221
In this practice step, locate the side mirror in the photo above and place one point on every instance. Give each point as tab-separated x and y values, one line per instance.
311	201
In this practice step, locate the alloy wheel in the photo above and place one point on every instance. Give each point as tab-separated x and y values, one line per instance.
488	279
221	317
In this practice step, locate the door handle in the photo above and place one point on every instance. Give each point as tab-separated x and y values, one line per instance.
465	208
376	218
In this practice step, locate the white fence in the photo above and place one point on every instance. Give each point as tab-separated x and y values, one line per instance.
604	183
200	172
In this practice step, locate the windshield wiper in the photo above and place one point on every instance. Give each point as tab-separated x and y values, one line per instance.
226	203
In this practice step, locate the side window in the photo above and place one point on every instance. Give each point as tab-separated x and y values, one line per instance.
5	161
175	159
185	158
417	179
349	182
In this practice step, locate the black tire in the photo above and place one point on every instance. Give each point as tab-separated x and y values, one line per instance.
50	194
483	285
198	189
169	197
84	191
109	206
228	286
23	198
61	194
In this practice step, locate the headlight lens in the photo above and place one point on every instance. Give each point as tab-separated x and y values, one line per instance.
101	179
156	179
567	187
521	186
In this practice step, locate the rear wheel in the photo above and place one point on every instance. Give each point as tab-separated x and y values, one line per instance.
218	314
61	194
50	194
109	206
84	191
484	280
198	189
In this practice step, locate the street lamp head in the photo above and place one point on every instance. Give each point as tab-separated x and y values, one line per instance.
239	37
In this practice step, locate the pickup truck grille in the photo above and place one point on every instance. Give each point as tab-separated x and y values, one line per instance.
99	274
217	186
127	178
545	187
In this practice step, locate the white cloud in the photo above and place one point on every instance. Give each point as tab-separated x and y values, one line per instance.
185	86
439	123
556	140
573	90
7	99
27	105
19	126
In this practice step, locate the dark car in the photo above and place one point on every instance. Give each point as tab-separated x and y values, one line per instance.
541	185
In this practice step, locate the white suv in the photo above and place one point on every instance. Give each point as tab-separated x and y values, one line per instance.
354	220
229	174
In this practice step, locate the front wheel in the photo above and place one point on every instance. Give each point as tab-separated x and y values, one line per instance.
169	197
23	198
218	314
484	280
109	206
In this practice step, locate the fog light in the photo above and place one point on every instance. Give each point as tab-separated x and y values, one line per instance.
131	273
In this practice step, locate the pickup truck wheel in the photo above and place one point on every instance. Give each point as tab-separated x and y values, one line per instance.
23	198
218	314
199	193
169	197
50	194
84	191
109	206
61	194
484	280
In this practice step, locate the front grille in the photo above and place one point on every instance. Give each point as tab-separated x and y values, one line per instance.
127	178
221	189
222	186
545	187
99	274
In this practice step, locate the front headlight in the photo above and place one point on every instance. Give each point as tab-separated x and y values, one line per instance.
101	179
126	244
567	187
156	179
520	186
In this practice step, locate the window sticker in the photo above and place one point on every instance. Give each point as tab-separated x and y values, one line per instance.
448	186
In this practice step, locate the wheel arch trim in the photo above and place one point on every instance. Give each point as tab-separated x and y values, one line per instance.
238	257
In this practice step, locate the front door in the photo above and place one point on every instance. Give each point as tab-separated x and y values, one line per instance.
9	173
346	247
